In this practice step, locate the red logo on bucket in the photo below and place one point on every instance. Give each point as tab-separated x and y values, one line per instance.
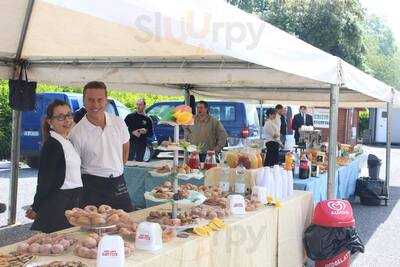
338	261
144	237
337	207
109	253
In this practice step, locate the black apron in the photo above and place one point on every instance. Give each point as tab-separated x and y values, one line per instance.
51	214
110	191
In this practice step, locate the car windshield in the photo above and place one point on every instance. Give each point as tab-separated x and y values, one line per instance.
223	112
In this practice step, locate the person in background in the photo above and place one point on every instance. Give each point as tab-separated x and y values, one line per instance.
102	141
59	186
281	121
206	130
272	138
140	128
299	120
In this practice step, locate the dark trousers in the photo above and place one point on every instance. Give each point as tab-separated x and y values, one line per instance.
109	191
51	214
272	155
137	150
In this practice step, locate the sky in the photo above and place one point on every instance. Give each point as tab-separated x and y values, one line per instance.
388	10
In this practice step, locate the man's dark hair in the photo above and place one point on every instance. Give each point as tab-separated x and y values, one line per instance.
142	100
203	103
94	85
279	106
303	107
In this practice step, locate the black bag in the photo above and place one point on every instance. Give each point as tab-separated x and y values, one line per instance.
22	94
323	243
370	191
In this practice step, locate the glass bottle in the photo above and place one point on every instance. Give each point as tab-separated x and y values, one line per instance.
240	185
210	161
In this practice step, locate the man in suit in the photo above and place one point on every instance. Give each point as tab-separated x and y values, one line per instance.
281	121
299	120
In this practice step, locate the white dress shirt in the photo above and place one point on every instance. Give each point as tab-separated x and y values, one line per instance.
101	149
72	163
271	129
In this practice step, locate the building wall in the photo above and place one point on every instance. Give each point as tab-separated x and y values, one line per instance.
347	119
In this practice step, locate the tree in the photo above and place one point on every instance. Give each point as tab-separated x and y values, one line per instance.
335	26
382	57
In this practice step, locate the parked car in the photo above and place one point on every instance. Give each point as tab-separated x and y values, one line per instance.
239	119
31	122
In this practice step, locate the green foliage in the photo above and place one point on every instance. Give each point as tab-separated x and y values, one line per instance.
363	121
5	121
382	55
127	98
334	26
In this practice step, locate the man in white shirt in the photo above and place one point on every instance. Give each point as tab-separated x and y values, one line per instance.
102	141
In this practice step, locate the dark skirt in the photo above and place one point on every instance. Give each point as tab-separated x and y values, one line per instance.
51	214
109	191
272	155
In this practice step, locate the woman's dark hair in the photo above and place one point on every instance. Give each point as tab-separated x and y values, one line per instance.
49	115
270	111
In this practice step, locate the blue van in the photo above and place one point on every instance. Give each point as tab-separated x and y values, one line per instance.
238	118
31	121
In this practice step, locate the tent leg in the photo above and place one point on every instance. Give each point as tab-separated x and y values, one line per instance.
15	149
261	119
388	145
333	124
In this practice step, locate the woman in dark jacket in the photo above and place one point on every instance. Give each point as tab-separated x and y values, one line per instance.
59	184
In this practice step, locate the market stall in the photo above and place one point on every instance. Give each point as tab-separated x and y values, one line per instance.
264	237
272	66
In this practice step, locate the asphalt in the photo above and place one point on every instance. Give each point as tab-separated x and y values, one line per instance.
378	227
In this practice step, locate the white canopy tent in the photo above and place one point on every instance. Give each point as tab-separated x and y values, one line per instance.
158	46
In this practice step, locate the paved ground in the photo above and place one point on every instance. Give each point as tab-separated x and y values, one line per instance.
378	227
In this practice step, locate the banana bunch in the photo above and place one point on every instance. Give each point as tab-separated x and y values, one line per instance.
271	202
215	225
183	115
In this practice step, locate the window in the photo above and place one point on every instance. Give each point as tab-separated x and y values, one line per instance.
252	115
223	112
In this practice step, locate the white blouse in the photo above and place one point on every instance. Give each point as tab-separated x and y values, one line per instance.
72	163
271	129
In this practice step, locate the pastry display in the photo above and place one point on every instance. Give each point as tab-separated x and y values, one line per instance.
184	169
165	219
163	169
252	204
165	191
209	212
46	244
63	264
342	161
168	233
93	216
15	259
87	247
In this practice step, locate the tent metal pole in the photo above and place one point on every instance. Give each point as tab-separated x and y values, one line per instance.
261	118
388	144
333	126
15	149
16	126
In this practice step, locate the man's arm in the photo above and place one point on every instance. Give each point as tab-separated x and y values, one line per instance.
125	152
222	136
